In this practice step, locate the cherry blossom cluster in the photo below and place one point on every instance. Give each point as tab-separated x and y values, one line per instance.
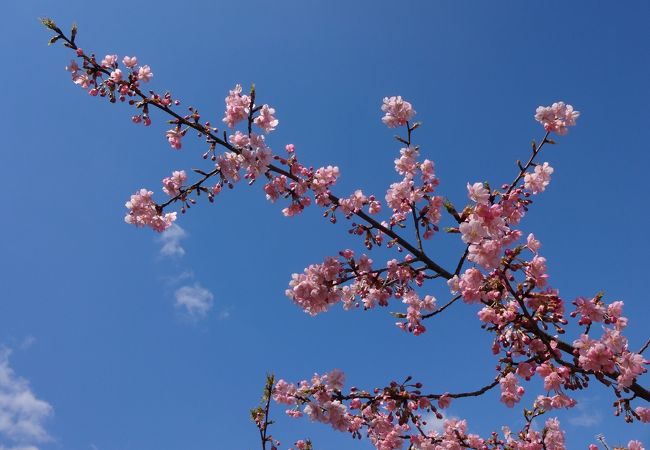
609	353
398	111
143	211
507	280
322	285
397	415
106	79
557	117
632	445
404	196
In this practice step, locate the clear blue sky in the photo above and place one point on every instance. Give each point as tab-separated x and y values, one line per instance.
87	304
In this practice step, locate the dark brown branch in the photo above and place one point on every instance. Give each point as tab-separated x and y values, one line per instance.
524	169
442	308
271	168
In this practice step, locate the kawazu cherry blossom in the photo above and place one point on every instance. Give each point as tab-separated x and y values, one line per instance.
567	344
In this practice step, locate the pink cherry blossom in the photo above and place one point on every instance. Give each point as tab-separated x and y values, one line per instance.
353	204
630	366
284	392
537	181
237	107
109	61
398	111
511	392
266	120
145	74
116	75
173	184
407	163
478	193
486	253
472	231
496	273
590	310
536	271
635	445
557	117
81	79
554	436
594	355
532	243
470	284
336	379
143	211
643	413
315	290
444	401
374	207
130	61
174	137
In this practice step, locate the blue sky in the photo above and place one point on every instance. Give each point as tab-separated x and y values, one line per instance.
88	320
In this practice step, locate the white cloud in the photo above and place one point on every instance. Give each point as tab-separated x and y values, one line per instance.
435	424
196	300
224	314
20	447
586	417
21	413
171	241
27	342
172	280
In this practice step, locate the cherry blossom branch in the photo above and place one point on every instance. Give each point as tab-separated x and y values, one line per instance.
443	307
531	325
524	169
260	415
271	168
510	286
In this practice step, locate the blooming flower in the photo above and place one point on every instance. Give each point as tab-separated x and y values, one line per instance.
82	80
532	243
557	117
143	211
172	185
237	107
398	111
266	120
511	392
174	137
314	290
353	203
537	181
478	193
116	75
145	74
109	61
130	61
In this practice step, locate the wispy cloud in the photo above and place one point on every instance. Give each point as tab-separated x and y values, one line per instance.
171	241
195	300
175	280
21	413
224	314
20	447
27	342
435	424
586	416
